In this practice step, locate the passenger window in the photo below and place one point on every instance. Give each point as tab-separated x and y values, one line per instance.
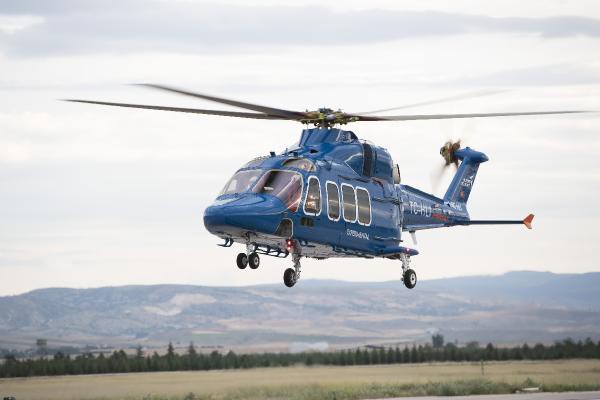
364	206
349	202
312	203
333	201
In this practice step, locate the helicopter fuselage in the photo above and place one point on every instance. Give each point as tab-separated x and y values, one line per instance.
332	196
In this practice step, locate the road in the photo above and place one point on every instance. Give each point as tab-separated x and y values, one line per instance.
520	396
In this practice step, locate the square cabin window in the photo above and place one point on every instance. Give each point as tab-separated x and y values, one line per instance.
333	201
364	206
349	203
312	202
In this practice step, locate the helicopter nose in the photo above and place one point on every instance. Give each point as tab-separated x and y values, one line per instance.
249	212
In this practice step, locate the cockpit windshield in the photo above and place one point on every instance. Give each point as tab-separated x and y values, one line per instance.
286	185
241	182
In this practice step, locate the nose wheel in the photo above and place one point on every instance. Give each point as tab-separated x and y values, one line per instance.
243	260
253	260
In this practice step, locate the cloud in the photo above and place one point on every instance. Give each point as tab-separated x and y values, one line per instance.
132	26
544	75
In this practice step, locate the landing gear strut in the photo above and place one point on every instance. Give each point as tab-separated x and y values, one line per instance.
409	276
291	276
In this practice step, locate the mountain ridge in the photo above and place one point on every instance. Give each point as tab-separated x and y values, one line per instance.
514	307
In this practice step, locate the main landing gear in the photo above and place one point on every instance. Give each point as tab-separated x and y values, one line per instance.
409	276
292	275
250	258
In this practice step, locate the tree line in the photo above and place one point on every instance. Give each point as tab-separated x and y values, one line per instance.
191	359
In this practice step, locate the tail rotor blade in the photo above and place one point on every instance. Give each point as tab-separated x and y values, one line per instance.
436	177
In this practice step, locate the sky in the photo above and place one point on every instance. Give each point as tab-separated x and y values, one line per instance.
98	196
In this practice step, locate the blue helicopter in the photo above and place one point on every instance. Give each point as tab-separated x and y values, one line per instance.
333	195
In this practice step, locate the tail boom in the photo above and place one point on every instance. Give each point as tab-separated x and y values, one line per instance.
526	221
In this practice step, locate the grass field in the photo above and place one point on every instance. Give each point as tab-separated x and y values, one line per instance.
312	382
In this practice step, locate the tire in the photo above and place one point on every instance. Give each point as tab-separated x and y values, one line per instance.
253	261
410	278
242	260
289	277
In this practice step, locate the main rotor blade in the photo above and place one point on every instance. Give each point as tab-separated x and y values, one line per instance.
463	96
286	114
455	116
185	110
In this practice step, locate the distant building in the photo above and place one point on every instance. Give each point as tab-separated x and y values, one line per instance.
299	347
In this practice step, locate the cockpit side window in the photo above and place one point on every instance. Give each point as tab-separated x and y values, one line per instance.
300	163
285	185
312	202
241	182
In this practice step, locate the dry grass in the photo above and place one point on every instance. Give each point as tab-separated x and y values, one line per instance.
218	383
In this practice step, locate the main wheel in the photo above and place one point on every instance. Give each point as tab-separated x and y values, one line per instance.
253	260
289	277
410	278
242	260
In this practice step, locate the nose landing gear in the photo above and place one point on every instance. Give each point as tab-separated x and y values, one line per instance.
249	258
243	260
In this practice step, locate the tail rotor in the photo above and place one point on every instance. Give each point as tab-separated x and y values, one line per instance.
447	151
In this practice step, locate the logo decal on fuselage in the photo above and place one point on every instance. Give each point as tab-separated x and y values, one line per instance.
456	206
420	209
357	234
468	182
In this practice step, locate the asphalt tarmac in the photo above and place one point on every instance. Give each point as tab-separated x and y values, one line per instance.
519	396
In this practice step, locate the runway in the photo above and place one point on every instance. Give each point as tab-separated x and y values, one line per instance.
519	396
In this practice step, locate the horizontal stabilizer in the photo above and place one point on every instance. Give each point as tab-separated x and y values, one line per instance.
527	222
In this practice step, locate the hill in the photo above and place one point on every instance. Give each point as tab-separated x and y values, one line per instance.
515	307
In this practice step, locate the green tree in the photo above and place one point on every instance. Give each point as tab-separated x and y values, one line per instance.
437	341
171	357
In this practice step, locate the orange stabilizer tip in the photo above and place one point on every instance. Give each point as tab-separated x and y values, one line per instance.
527	221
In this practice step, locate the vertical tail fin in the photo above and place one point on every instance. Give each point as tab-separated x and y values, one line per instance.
462	183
